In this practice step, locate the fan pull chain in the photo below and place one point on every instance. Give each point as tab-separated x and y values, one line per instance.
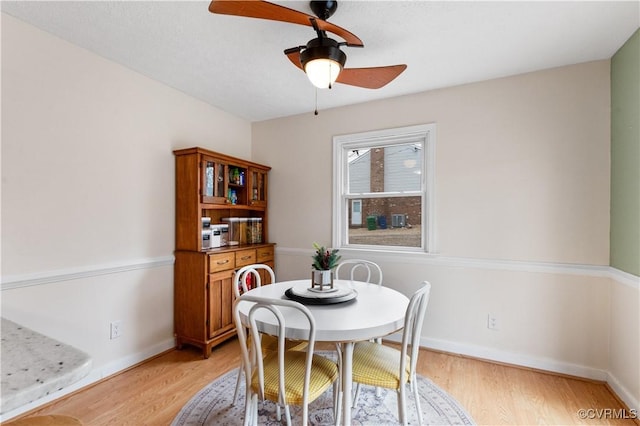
330	87
316	111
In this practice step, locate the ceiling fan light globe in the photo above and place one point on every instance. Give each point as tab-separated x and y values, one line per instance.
322	60
322	72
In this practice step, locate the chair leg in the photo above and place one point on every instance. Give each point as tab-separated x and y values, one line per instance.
378	340
247	412
356	394
235	393
337	397
288	416
339	356
255	410
248	406
251	410
402	405
416	396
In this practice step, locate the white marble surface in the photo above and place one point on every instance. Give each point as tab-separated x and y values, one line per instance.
34	365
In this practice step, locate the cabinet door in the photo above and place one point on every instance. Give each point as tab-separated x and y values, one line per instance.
220	302
214	181
258	185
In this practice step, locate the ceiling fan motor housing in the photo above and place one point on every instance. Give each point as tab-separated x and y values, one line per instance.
323	48
323	9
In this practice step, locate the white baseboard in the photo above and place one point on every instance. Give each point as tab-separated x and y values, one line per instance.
133	359
521	360
94	376
623	393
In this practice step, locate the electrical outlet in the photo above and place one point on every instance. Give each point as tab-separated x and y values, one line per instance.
116	329
492	322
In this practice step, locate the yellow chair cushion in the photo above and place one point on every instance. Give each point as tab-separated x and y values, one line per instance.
323	373
269	344
377	365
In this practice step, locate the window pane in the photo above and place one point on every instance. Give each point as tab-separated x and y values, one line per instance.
359	171
402	167
387	221
393	168
209	179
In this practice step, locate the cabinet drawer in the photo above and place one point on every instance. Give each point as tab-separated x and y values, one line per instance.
245	257
221	262
264	254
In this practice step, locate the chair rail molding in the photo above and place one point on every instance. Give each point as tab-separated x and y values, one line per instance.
625	278
477	263
48	277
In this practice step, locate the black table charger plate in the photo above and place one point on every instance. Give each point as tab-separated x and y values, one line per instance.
320	300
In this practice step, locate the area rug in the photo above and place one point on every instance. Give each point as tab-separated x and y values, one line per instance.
213	406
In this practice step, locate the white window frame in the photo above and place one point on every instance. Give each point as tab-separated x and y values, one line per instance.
425	133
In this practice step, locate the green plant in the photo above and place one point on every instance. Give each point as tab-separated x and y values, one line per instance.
324	259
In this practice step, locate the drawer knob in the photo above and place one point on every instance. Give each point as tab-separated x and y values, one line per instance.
222	262
245	257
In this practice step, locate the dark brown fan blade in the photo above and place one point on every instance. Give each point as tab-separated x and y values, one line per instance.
265	10
370	78
294	56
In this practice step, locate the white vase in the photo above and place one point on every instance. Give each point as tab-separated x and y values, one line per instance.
322	278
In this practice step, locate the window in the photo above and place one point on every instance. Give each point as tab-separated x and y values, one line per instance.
383	189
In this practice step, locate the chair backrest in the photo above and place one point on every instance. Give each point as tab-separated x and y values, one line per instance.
240	278
275	307
367	266
413	321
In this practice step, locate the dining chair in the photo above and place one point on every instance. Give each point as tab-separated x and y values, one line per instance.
285	377
269	343
251	272
388	367
372	269
352	266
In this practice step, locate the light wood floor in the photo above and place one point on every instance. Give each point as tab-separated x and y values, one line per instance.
153	392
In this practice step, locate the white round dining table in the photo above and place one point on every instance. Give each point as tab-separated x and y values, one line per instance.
376	311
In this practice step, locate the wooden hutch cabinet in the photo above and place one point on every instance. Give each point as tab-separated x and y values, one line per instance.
216	186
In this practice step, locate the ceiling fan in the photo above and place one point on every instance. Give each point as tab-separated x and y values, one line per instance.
321	58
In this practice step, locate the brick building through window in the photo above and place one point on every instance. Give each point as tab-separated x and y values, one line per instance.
386	169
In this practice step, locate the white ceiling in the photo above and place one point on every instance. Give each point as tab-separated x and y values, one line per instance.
237	64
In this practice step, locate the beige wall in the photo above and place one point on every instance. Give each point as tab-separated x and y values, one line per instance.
522	165
88	194
86	150
522	204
